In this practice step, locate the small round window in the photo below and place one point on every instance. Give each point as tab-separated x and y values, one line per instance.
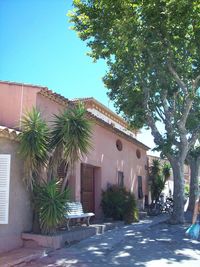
138	153
119	145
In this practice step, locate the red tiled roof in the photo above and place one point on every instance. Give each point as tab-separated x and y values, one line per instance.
9	133
54	96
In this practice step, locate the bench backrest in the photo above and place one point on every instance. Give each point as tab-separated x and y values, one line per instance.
75	208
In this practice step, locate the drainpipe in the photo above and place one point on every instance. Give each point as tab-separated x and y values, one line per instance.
21	105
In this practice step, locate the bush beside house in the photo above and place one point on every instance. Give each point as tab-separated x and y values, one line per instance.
119	204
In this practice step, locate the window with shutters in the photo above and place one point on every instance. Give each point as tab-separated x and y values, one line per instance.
4	187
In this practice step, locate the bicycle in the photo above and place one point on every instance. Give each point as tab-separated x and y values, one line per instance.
155	208
168	205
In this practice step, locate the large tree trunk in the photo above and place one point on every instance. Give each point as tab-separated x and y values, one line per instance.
178	194
194	181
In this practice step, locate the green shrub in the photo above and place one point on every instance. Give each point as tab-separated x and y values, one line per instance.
130	209
50	204
119	204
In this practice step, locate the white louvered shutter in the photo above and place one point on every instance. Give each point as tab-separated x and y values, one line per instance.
4	187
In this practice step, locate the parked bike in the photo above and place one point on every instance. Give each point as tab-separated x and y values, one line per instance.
169	205
158	207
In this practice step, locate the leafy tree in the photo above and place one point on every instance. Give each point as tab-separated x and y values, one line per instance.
153	55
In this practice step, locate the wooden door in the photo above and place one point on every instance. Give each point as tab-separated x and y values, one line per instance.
87	188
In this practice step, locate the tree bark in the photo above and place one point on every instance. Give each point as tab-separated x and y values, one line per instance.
178	194
194	181
64	183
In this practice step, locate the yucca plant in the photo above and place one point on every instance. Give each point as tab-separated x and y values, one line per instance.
70	138
33	150
68	141
166	170
34	140
51	205
159	175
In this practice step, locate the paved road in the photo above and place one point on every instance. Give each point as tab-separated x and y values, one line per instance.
138	245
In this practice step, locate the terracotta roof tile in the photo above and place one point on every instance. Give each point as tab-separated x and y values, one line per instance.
9	133
54	96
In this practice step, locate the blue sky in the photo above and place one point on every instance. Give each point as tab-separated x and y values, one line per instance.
37	47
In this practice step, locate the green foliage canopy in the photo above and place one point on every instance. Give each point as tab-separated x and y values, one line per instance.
152	51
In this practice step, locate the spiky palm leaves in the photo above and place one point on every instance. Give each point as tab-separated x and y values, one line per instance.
70	138
166	170
50	204
159	175
33	146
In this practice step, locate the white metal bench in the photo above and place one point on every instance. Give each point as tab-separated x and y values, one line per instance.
75	211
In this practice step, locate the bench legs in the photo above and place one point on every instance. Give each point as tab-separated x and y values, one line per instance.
88	221
67	224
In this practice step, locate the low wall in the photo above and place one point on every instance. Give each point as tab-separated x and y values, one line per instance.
63	238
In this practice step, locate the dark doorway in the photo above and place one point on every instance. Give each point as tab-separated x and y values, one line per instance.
87	188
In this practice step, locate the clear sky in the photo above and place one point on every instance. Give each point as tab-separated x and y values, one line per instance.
37	47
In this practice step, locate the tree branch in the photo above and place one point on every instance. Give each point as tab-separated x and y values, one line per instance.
177	78
195	82
150	121
169	118
195	136
186	110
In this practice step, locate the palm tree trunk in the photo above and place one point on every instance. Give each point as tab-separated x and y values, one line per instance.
65	180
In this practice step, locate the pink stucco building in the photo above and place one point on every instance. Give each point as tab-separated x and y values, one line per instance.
117	157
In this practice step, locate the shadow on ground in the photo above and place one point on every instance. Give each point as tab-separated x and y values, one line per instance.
158	245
